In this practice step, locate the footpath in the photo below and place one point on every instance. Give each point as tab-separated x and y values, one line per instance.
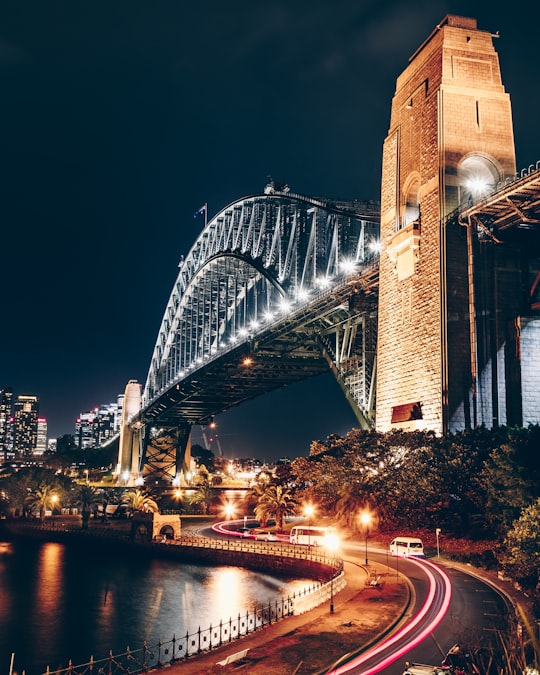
310	643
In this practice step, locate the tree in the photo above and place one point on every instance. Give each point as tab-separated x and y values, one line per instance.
140	501
21	489
353	497
511	478
86	497
204	496
276	501
43	497
520	557
203	456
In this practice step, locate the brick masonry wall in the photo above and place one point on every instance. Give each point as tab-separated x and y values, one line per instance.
449	104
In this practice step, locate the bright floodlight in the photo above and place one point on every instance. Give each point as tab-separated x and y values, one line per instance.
477	186
303	294
347	266
285	306
323	282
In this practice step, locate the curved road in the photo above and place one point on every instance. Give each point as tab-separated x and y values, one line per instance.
447	606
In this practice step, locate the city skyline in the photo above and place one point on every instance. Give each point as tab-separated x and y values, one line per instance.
122	124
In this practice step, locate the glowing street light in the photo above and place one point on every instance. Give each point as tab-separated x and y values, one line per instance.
229	510
366	519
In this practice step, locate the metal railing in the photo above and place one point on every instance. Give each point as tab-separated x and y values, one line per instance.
164	653
168	652
226	631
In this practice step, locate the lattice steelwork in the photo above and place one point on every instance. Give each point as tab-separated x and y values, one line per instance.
253	262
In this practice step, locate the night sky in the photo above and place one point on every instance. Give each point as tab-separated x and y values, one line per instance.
119	119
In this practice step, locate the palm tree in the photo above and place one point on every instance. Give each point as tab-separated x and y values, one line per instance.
43	497
276	501
352	499
203	496
140	501
86	497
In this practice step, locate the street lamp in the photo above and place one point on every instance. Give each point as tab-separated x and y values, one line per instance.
437	533
309	510
366	519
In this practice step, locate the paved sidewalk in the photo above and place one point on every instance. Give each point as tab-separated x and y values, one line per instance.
310	643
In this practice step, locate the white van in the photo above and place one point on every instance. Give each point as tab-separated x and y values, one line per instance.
406	546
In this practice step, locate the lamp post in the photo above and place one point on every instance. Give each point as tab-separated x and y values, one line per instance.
366	519
309	510
332	595
437	533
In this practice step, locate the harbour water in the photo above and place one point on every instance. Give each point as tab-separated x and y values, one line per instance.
60	602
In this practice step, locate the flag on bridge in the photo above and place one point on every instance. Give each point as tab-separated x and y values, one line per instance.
203	209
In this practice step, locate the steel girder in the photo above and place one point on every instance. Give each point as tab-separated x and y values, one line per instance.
279	277
255	260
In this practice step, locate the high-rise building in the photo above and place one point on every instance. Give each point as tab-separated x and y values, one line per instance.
25	425
94	428
84	430
6	412
41	442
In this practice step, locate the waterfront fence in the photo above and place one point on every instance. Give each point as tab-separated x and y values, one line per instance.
172	651
157	655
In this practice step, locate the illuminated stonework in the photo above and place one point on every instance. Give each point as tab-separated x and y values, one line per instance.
450	135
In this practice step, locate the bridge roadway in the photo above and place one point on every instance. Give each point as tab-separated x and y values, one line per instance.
288	350
445	605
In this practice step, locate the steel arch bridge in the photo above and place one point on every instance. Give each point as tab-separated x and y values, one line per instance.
277	288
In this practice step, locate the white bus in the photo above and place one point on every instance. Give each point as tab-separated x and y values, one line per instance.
312	535
406	546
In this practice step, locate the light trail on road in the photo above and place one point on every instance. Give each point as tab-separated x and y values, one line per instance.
421	625
428	617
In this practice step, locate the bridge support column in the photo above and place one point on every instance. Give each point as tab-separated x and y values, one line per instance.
450	135
166	457
129	448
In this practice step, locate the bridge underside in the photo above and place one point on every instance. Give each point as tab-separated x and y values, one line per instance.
307	343
334	332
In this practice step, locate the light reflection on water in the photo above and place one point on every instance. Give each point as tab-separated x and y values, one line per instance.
59	603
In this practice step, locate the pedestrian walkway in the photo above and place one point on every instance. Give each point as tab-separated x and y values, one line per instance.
308	644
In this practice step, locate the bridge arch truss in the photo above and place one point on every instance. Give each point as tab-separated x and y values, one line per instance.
252	263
